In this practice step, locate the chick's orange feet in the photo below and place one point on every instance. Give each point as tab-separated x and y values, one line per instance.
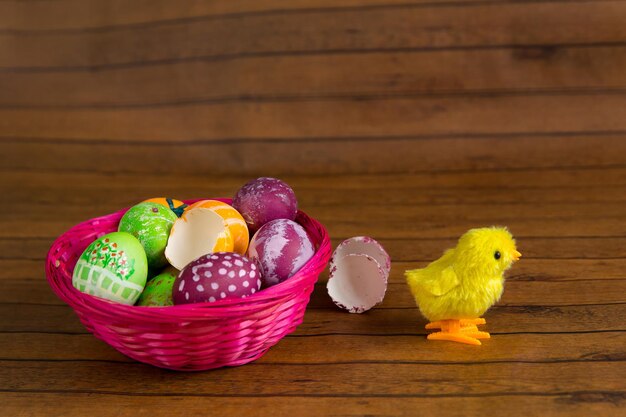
461	331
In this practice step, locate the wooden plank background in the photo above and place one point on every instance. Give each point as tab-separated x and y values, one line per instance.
409	121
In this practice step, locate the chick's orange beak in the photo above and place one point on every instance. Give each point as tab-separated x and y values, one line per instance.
516	255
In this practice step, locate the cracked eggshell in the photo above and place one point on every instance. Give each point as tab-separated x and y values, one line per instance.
233	219
265	199
367	246
197	232
357	282
215	277
280	248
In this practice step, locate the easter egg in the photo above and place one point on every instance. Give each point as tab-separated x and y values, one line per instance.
280	248
357	282
176	206
158	291
197	232
359	269
112	267
151	224
364	245
265	199
216	276
234	221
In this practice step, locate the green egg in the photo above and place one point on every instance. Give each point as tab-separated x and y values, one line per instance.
151	224
112	267
158	291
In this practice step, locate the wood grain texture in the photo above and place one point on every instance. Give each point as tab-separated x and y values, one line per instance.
600	403
360	117
490	24
408	121
95	15
478	158
306	77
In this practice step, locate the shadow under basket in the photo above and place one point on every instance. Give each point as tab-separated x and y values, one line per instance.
190	337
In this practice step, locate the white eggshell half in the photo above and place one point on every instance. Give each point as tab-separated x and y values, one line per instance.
357	282
193	235
367	246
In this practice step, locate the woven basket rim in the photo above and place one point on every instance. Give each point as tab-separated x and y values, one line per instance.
110	311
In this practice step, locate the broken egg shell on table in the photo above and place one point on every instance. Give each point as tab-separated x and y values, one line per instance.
359	269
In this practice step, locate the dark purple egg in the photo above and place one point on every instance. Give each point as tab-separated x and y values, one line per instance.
216	276
280	248
263	200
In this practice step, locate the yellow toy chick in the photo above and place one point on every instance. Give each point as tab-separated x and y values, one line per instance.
456	289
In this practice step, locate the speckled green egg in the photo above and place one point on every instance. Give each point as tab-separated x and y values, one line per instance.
151	224
158	291
112	267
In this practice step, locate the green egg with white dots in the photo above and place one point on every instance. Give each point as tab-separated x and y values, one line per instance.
151	224
158	291
113	267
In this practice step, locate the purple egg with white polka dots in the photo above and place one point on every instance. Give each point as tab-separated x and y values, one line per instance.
280	248
216	276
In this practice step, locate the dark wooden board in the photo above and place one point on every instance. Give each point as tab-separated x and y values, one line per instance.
406	121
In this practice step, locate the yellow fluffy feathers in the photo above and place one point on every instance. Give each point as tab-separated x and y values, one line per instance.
456	289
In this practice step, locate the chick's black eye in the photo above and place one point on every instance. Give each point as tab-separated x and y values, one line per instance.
497	255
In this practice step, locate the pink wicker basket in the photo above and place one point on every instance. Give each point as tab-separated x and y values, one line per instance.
187	337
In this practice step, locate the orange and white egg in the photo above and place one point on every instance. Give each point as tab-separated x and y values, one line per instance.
233	219
197	232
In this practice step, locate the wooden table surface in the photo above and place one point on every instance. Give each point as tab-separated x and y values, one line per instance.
408	121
